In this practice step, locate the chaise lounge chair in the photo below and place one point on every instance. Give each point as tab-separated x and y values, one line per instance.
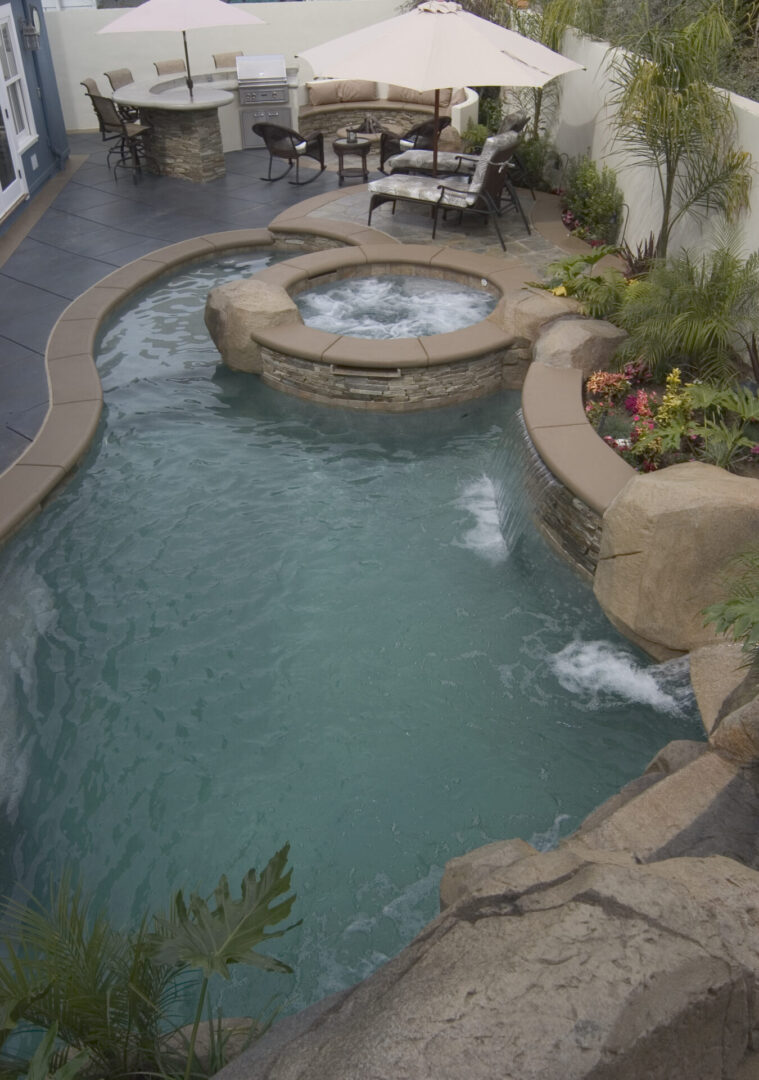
480	195
282	142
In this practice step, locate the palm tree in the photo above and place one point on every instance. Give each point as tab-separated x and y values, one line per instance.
670	118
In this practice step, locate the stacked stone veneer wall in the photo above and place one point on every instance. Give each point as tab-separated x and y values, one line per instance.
186	144
571	526
329	118
393	390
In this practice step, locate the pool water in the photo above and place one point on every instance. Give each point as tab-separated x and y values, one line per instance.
393	306
249	620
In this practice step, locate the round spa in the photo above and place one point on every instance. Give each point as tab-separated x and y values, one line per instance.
258	327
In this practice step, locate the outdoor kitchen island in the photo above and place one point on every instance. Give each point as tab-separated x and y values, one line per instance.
186	138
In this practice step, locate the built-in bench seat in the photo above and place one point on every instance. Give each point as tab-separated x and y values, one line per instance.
327	105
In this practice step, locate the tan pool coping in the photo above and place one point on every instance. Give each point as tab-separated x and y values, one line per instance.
562	436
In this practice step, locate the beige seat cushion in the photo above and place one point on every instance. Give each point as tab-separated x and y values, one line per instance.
333	91
414	97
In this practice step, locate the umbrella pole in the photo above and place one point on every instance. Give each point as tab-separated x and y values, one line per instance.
435	132
187	62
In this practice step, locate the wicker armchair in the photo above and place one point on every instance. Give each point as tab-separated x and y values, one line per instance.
291	146
419	137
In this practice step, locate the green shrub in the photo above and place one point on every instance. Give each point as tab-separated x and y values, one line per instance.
537	164
700	314
490	112
592	203
473	137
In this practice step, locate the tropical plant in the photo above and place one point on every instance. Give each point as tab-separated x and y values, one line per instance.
700	314
600	294
120	996
737	615
592	202
670	118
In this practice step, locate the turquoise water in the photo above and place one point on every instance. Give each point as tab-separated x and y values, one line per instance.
249	620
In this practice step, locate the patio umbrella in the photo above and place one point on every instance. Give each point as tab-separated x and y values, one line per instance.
437	45
179	15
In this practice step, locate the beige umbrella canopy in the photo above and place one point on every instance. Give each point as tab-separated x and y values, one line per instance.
179	15
437	45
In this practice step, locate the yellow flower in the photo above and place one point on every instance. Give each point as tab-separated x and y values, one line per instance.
560	290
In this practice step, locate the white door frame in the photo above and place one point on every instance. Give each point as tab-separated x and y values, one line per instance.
16	127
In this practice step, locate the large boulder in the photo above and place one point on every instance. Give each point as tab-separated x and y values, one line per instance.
737	734
587	344
715	672
666	540
576	966
237	308
524	312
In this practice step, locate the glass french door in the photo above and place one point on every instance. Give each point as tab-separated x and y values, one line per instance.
15	115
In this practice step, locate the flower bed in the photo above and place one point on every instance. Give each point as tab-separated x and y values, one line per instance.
653	426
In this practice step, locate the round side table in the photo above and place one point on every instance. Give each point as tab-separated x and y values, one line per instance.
343	149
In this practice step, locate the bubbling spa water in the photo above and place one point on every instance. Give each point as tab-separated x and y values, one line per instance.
249	620
393	306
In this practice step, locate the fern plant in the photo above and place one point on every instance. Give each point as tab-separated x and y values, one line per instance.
600	294
737	616
119	996
697	313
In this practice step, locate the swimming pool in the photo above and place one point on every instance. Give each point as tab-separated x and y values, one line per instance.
249	619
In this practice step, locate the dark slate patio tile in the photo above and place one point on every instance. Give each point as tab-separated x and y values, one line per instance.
60	272
73	233
12	446
27	313
76	197
27	423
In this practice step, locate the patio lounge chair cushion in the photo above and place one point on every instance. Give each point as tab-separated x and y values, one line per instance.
420	161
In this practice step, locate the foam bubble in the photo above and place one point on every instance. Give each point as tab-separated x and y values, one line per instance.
392	306
485	538
548	840
599	671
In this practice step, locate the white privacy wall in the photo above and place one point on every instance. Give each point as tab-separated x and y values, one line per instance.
288	28
584	128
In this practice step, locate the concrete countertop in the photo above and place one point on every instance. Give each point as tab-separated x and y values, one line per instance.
209	92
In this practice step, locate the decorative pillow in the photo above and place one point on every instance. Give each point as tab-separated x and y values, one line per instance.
356	90
323	92
414	97
458	96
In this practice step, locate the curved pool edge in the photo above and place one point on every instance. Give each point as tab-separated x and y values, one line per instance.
74	390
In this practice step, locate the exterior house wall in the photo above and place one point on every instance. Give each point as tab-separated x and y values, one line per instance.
49	151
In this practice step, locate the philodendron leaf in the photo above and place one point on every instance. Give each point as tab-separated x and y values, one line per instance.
212	938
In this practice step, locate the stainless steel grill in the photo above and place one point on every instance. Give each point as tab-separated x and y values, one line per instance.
264	95
262	80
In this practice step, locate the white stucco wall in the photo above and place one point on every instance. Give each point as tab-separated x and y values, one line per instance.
584	128
288	28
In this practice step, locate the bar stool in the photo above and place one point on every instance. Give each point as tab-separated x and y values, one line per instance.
170	67
226	59
119	77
